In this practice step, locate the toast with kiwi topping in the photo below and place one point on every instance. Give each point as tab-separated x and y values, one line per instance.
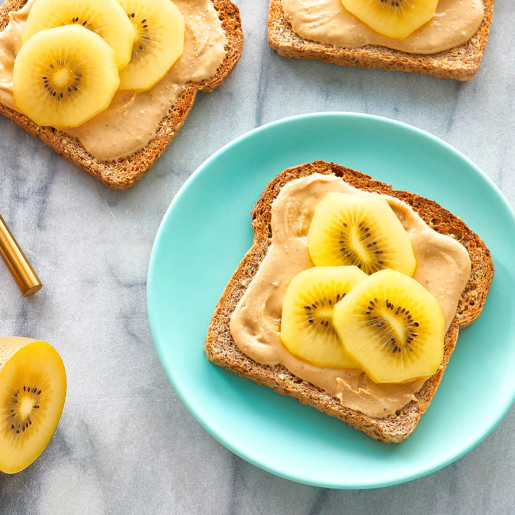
221	349
124	173
459	63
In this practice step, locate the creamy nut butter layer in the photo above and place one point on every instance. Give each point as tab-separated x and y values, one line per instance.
327	21
131	121
443	268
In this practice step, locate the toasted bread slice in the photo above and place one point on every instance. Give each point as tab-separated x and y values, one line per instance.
124	173
221	349
459	63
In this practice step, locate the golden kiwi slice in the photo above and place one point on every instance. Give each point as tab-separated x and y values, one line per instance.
393	327
64	76
393	18
104	17
359	230
32	394
159	42
306	325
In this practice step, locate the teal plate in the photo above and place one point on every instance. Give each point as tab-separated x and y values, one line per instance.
205	234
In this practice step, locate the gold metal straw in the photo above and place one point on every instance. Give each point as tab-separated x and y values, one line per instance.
24	275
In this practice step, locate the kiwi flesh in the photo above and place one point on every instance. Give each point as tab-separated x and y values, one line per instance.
103	17
32	395
393	327
306	324
158	42
396	19
64	76
362	231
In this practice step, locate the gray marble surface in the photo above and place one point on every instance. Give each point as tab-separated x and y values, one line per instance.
126	444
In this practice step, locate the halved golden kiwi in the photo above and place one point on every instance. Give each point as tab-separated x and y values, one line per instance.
359	230
393	18
64	76
159	42
32	394
104	17
393	327
306	325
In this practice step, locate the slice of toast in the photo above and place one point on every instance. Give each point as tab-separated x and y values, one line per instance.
124	173
459	63
221	349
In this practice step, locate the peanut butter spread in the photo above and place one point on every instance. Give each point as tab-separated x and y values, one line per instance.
443	268
131	121
327	21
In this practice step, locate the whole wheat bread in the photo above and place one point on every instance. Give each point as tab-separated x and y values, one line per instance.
124	173
460	63
221	349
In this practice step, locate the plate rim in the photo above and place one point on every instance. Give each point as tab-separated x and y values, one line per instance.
399	479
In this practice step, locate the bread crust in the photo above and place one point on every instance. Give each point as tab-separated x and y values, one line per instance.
124	173
221	349
459	63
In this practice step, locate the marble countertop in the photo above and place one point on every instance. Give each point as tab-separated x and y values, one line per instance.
125	443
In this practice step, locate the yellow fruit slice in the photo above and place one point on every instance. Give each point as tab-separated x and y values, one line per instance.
306	325
32	394
104	17
393	18
159	42
64	76
359	230
393	327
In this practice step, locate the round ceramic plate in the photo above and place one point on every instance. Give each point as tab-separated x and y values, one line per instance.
205	234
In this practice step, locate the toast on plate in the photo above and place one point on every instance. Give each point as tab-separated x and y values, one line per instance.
221	349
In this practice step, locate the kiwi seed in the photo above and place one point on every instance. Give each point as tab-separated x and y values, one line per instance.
315	317
394	3
143	38
72	85
368	244
386	332
17	423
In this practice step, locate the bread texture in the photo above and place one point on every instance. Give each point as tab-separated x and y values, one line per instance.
221	349
124	173
459	63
